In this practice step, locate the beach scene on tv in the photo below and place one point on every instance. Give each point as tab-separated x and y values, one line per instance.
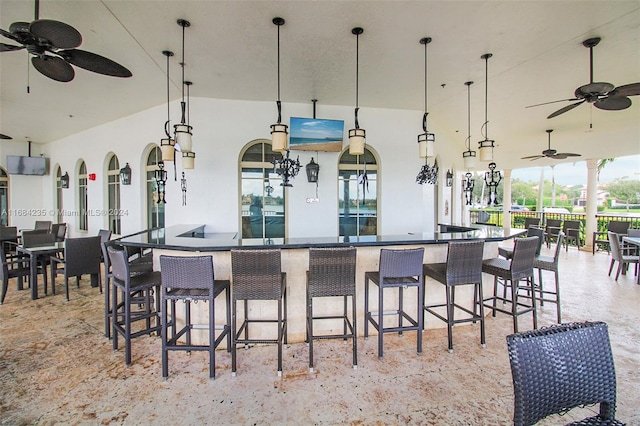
316	134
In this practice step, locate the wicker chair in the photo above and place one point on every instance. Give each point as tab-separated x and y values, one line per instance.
398	269
17	266
137	293
620	255
552	229
257	275
507	252
332	273
60	231
191	279
571	229
520	267
40	239
531	221
43	225
601	238
547	263
463	267
561	367
81	257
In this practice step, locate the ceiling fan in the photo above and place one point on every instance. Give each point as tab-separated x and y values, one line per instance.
53	46
601	94
551	153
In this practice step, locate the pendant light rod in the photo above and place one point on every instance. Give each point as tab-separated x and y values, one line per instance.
486	57
279	22
357	31
314	107
188	84
468	84
184	24
425	41
168	54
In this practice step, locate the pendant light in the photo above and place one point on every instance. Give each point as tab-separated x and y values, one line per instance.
167	145
182	131
426	140
279	131
357	136
486	145
469	156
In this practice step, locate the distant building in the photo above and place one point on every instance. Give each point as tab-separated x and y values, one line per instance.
602	195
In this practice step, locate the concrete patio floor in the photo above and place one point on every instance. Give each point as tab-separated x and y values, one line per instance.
56	367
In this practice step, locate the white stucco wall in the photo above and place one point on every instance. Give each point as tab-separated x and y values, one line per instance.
221	129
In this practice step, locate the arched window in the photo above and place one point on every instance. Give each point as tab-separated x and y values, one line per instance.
113	194
59	205
358	194
155	210
83	201
4	197
262	199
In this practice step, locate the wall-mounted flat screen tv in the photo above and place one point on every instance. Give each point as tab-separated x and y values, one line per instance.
316	134
18	165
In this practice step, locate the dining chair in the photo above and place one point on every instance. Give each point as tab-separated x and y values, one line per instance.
571	230
43	225
531	221
561	367
81	257
552	228
15	267
192	279
332	274
621	255
60	231
399	269
602	238
40	238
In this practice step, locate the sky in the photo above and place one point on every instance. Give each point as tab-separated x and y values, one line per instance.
576	173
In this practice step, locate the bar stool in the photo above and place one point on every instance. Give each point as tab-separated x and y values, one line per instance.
398	269
463	267
136	291
332	272
507	252
256	274
191	279
547	263
519	267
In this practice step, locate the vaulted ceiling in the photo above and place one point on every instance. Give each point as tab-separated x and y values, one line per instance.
230	53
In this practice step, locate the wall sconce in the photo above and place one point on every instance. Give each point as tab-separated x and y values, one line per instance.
161	180
312	171
64	180
125	175
467	187
449	178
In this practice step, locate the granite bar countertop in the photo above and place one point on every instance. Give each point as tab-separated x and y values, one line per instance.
198	238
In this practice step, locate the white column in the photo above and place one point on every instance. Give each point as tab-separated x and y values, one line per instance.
506	201
592	203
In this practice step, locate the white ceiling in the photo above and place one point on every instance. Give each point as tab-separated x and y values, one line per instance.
231	50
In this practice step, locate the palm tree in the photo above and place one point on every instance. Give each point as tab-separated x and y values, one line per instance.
601	163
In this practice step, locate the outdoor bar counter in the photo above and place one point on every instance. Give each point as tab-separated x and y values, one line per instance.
196	240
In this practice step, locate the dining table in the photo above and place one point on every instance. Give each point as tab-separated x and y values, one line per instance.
636	242
34	254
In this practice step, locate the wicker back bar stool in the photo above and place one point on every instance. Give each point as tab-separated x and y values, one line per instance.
532	231
398	269
140	301
548	263
256	274
463	267
190	279
520	267
81	257
558	368
332	273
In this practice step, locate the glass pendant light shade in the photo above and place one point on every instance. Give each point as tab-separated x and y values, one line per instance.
426	145
469	158
168	148
183	137
188	160
486	150
279	136
357	139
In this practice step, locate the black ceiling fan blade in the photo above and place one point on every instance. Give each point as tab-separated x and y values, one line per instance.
613	103
553	102
532	157
9	48
565	109
10	35
53	67
58	33
3	136
94	62
632	89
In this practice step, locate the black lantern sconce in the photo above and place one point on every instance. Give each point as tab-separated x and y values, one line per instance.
449	178
125	175
467	187
312	171
64	180
492	178
161	180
